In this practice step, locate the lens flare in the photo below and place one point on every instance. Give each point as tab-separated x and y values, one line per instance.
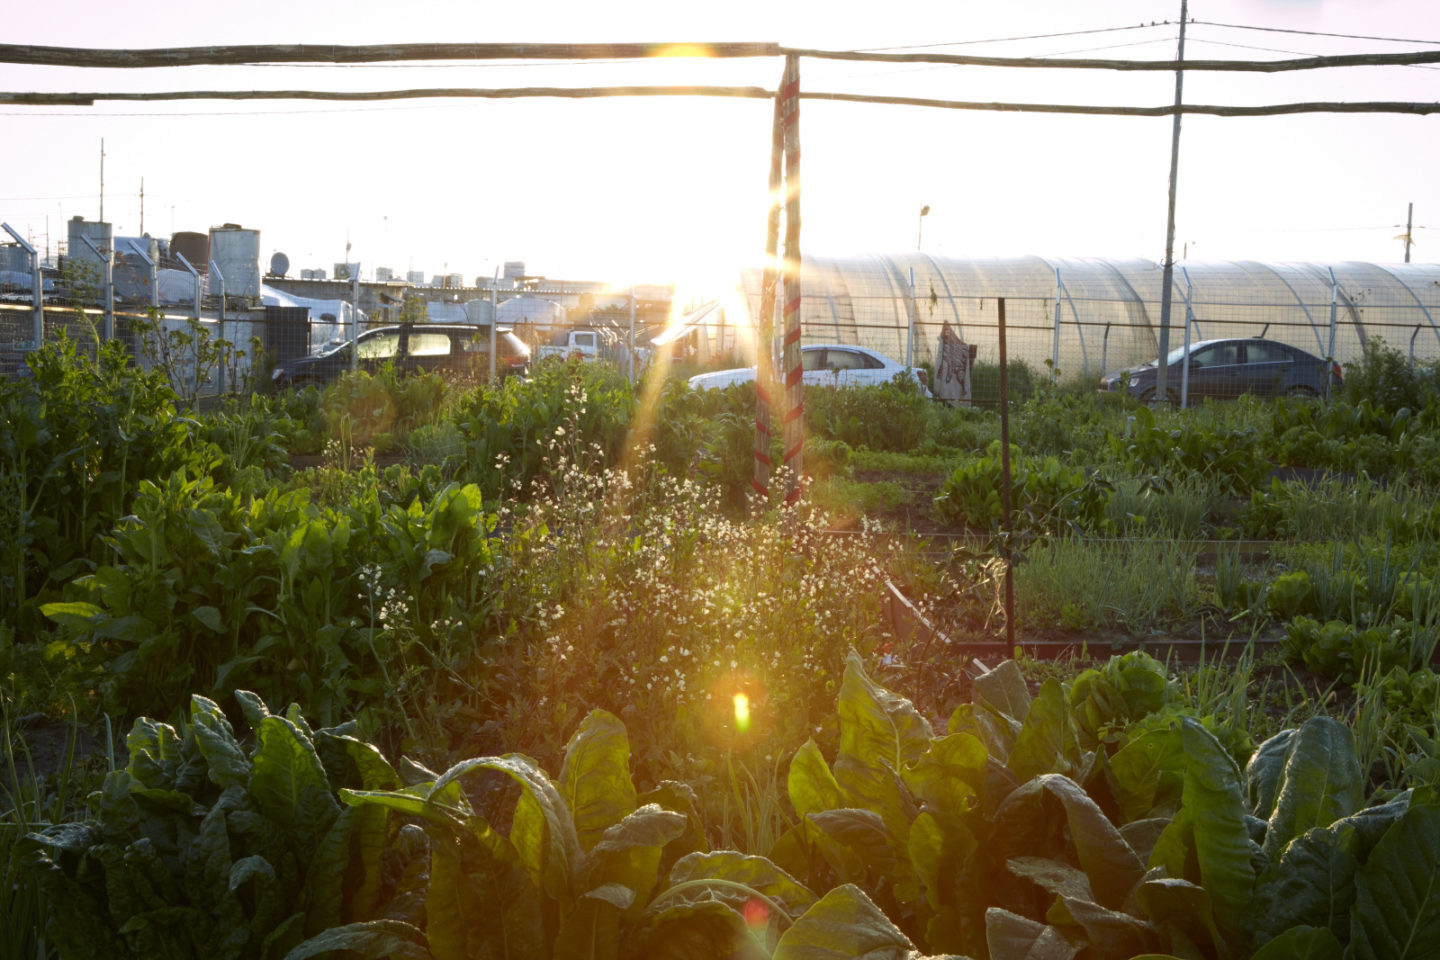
742	712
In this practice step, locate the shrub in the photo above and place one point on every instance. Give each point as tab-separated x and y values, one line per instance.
1384	376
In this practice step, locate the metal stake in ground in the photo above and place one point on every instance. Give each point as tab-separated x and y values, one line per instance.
1005	531
765	393
793	435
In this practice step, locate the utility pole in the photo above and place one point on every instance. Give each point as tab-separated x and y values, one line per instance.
1168	278
1409	237
142	206
102	179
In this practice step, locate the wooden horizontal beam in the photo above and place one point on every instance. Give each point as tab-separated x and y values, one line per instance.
1408	59
236	54
752	93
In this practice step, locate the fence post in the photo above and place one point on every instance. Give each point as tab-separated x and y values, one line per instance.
793	430
1334	304
1005	537
220	336
107	323
1105	350
910	327
1055	347
1189	319
37	286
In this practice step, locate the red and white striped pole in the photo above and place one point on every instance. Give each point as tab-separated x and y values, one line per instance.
793	435
765	395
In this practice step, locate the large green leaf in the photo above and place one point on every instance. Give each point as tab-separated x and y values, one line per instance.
679	797
690	927
1302	943
541	829
1109	933
591	931
1183	913
843	925
480	900
878	728
288	781
1265	771
1148	773
595	776
1047	742
228	765
864	833
628	854
346	866
370	940
1396	915
1004	688
1314	882
1050	815
1210	830
1013	937
1320	784
810	783
735	878
949	777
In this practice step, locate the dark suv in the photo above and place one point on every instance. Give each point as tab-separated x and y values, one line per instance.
1225	369
452	349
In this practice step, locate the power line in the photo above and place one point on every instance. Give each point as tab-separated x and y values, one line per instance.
1314	33
1301	53
1037	36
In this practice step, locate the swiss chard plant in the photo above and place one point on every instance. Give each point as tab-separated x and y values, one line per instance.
209	847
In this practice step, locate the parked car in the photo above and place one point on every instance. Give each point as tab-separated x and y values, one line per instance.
826	365
584	344
1225	369
448	348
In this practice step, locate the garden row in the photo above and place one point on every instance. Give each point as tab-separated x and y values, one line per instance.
537	553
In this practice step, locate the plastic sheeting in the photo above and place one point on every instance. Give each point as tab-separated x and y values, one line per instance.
1109	310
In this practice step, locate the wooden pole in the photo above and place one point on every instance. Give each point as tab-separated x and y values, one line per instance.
1007	547
793	437
1168	273
227	54
86	99
765	392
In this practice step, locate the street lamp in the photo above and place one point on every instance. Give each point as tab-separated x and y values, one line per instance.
920	225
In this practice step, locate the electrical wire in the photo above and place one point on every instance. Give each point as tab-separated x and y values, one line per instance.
1313	33
1298	53
1037	36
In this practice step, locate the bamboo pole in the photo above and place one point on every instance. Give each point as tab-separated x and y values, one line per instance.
86	99
238	54
765	392
793	438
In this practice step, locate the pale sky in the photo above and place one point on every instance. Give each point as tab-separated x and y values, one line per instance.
675	189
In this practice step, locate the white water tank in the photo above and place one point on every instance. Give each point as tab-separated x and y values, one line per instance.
523	310
236	252
478	311
100	233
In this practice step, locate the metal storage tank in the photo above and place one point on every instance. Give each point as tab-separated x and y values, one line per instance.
532	311
100	233
194	247
416	277
514	269
236	252
479	311
384	274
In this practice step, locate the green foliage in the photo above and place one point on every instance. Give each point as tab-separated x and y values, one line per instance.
1343	651
890	416
79	438
1047	497
1108	699
207	590
1384	376
207	848
1229	457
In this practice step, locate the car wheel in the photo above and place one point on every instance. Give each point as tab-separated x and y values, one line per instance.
1300	390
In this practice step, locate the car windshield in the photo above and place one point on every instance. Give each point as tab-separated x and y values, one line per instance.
332	347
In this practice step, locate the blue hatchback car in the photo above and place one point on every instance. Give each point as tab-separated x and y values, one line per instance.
1225	369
